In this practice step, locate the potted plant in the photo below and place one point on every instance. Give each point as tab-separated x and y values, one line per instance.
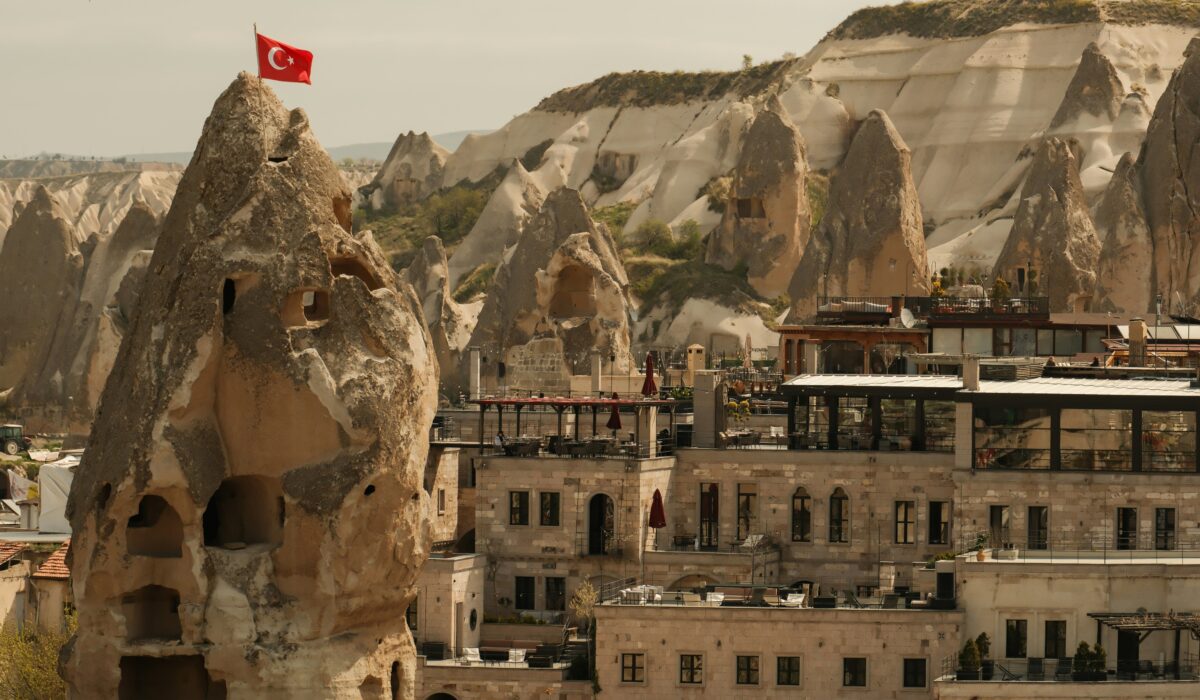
1000	294
981	542
987	665
1098	663
1080	667
968	662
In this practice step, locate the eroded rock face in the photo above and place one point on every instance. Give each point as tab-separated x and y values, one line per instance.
429	276
1126	254
766	221
42	266
871	240
412	170
518	198
1095	89
1053	231
578	301
249	518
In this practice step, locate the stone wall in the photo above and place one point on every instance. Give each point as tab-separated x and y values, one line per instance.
441	483
448	590
486	683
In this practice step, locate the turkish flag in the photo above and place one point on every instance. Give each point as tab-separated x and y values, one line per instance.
278	61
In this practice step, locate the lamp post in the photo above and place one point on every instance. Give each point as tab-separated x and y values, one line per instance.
1157	311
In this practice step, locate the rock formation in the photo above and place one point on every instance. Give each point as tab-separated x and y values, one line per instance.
871	240
1095	89
578	302
766	221
511	206
412	170
1126	254
449	331
61	389
1053	231
249	517
1170	174
41	271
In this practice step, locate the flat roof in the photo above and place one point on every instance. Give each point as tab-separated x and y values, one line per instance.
897	381
568	401
1080	386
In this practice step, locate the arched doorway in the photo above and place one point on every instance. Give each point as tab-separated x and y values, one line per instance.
441	696
600	524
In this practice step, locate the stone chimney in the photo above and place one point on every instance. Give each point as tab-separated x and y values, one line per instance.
1137	342
597	372
473	372
970	372
708	400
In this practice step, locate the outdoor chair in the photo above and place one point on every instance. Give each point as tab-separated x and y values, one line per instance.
1036	671
1062	672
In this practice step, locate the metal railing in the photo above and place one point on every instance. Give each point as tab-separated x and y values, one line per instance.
1064	670
567	447
1114	546
934	307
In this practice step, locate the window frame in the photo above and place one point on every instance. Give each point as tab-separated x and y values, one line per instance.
1126	541
904	673
779	671
753	667
1165	538
695	670
441	501
802	531
1065	651
939	528
747	510
839	527
636	672
542	513
1020	625
562	596
905	531
518	508
846	671
517	581
1037	537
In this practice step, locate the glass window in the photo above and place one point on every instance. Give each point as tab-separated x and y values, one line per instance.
747	512
410	615
939	426
633	668
854	423
1039	527
939	522
441	502
801	516
709	500
1012	438
1093	341
977	341
1015	638
747	670
998	525
1127	528
556	593
1024	342
839	516
787	670
1169	441
518	507
1164	528
947	340
1068	342
898	424
1045	341
1056	639
906	522
549	509
914	673
524	593
854	672
691	669
1096	439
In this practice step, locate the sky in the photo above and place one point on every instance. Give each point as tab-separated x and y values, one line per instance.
112	77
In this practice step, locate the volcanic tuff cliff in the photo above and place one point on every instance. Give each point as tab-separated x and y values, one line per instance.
249	517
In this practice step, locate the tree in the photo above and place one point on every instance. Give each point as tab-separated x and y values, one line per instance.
984	644
29	662
747	61
968	658
1000	289
1083	658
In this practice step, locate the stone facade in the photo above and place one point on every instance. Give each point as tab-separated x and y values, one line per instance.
441	483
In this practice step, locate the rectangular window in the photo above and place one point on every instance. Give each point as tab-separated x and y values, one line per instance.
1015	637
549	510
1127	528
787	670
839	516
854	672
914	673
524	593
906	522
441	502
1056	639
556	593
939	522
747	670
1164	528
747	512
691	669
801	516
1039	527
633	668
518	507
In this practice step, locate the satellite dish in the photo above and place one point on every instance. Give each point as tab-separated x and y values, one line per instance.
906	318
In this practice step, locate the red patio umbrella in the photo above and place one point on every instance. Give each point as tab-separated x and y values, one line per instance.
614	420
658	514
648	386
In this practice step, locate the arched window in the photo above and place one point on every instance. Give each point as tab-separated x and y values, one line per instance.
801	516
839	516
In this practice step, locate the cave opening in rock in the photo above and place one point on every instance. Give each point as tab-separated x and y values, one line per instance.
155	530
574	293
151	613
148	678
750	208
354	267
228	295
245	510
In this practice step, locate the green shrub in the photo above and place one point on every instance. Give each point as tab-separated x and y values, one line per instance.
968	658
29	662
475	283
1083	658
816	186
614	217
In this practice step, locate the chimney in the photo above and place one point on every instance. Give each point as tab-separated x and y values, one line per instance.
1137	342
708	401
597	372
970	372
473	374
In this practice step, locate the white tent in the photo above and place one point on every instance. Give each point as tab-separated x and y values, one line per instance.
54	483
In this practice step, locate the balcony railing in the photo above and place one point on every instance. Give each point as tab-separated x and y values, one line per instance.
944	307
1063	670
567	447
1117	546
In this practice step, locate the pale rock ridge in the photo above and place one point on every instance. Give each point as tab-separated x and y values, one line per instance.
871	240
1053	231
766	221
1168	164
411	171
249	519
1095	89
578	302
41	272
449	331
513	203
1127	252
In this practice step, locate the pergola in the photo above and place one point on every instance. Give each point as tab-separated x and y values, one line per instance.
1144	623
577	405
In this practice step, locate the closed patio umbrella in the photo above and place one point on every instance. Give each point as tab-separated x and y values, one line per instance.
658	514
614	420
648	386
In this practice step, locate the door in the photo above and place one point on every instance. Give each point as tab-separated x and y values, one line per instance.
600	524
1127	653
709	498
998	522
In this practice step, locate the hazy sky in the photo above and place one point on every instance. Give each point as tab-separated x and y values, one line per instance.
107	77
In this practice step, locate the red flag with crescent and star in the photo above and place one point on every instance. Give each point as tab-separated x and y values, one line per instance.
278	61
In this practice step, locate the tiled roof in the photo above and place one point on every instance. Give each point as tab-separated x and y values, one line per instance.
8	550
56	566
